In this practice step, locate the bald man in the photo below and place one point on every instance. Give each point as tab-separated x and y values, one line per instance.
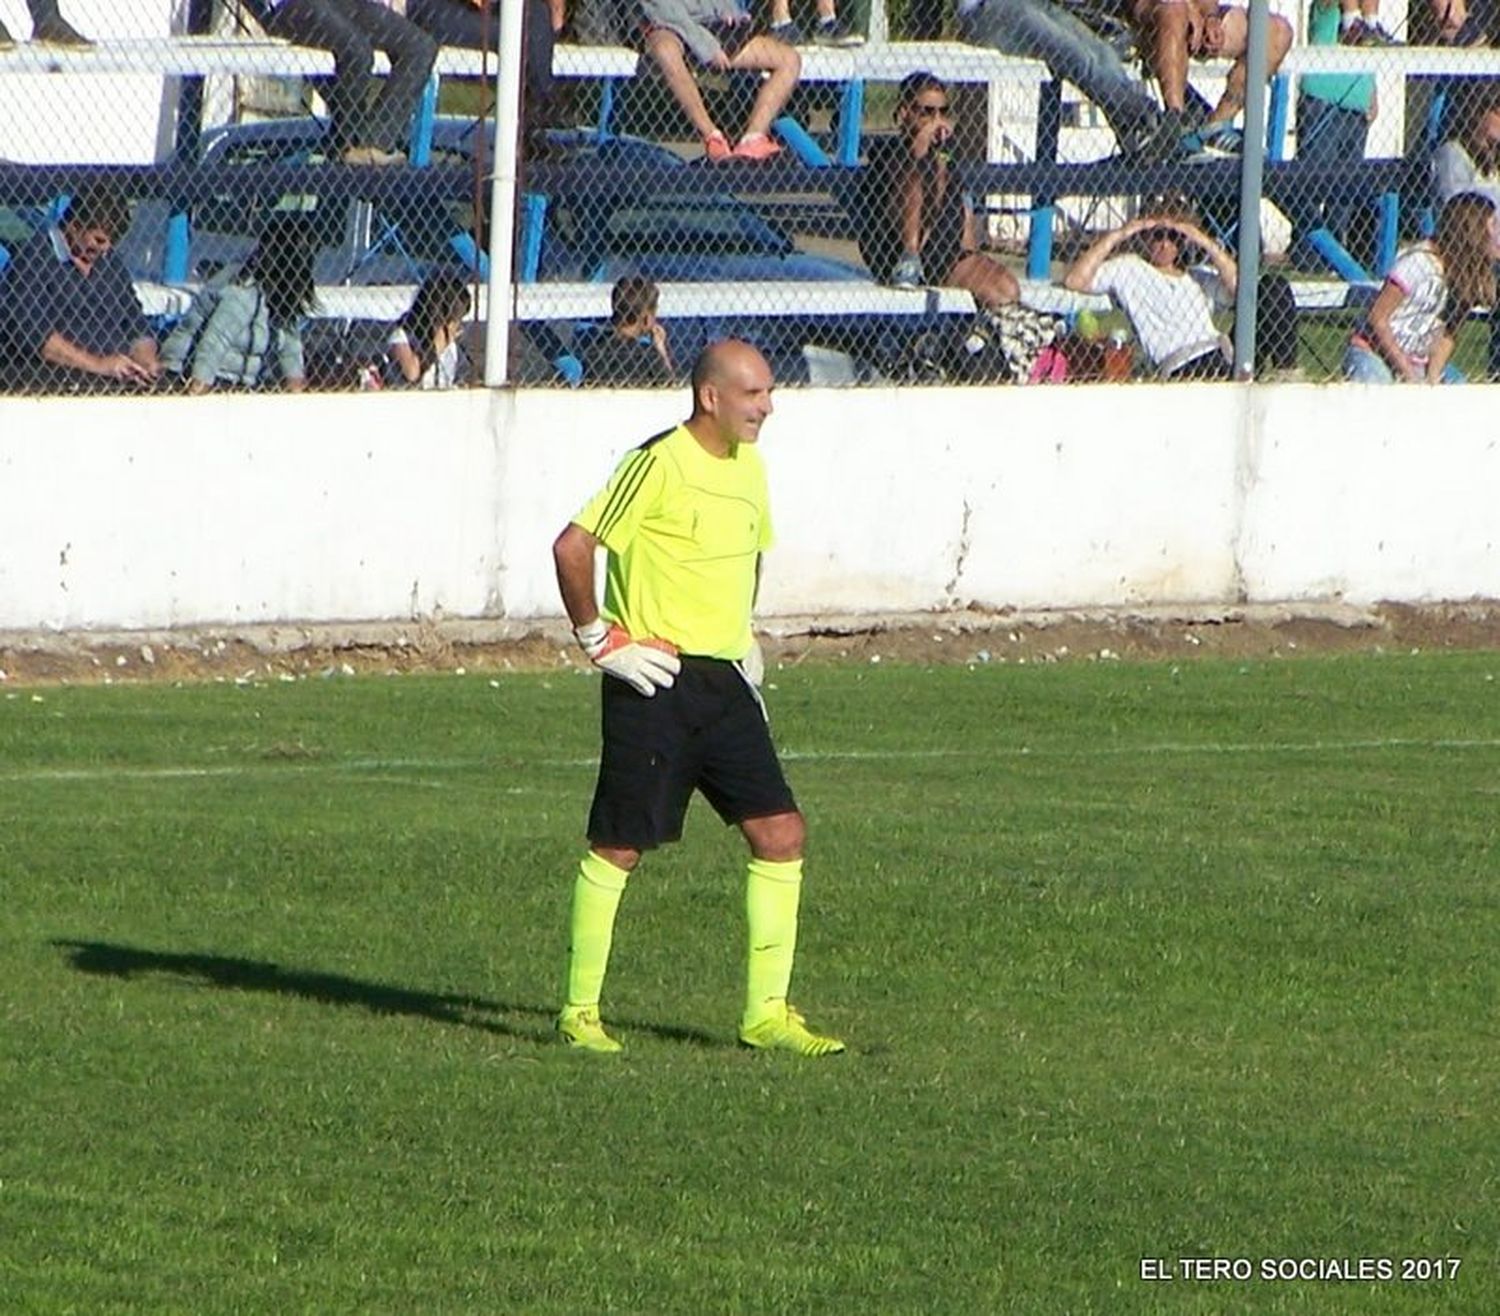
684	520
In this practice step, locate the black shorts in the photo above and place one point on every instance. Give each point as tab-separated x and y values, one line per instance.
706	733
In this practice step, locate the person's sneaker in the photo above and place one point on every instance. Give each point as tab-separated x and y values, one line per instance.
59	32
756	146
836	33
1372	34
788	1031
788	32
1152	141
579	1026
1353	33
1190	150
1219	139
908	272
716	148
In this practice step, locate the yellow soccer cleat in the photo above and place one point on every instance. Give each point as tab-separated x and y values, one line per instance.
788	1031
579	1026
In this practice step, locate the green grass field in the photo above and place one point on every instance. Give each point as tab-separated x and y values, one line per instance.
1135	962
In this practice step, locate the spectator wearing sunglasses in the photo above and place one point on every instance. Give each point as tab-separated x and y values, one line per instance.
916	222
1170	303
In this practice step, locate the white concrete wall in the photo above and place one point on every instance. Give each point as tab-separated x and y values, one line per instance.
126	513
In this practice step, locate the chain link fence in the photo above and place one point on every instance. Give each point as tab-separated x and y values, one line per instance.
263	194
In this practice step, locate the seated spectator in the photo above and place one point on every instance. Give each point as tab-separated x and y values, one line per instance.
475	25
1178	30
1409	330
69	316
370	121
916	224
47	26
1334	113
829	30
1044	30
1469	161
1453	23
247	316
423	349
721	36
1170	306
634	349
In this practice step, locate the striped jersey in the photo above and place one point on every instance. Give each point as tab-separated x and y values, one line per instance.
684	531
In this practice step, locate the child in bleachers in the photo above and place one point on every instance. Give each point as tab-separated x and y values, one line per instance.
633	350
1408	334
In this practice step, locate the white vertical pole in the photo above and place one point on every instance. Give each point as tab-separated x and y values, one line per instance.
1252	169
503	196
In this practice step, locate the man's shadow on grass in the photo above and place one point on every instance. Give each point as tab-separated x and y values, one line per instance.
532	1023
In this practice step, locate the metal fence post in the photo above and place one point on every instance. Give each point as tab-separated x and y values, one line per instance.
1252	173
503	186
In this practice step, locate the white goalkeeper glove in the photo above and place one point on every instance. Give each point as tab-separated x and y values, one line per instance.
645	665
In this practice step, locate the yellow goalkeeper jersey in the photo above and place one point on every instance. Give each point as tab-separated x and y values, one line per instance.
684	531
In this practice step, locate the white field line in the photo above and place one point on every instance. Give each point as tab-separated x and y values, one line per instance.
375	766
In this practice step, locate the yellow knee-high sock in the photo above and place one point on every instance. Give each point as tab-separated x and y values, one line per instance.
596	897
772	891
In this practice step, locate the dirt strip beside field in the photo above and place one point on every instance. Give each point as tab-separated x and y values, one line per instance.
447	645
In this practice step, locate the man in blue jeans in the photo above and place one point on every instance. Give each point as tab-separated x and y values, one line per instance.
1334	111
1040	29
369	125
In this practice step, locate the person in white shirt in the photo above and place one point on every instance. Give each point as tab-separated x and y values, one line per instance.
1469	161
1170	305
422	350
1408	332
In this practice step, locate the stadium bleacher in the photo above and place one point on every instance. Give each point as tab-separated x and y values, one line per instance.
822	163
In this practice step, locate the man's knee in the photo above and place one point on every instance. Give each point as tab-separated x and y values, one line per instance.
778	837
665	47
621	858
416	47
990	283
767	56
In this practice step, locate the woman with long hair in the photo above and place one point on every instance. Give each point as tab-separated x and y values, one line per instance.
1408	332
250	316
422	350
